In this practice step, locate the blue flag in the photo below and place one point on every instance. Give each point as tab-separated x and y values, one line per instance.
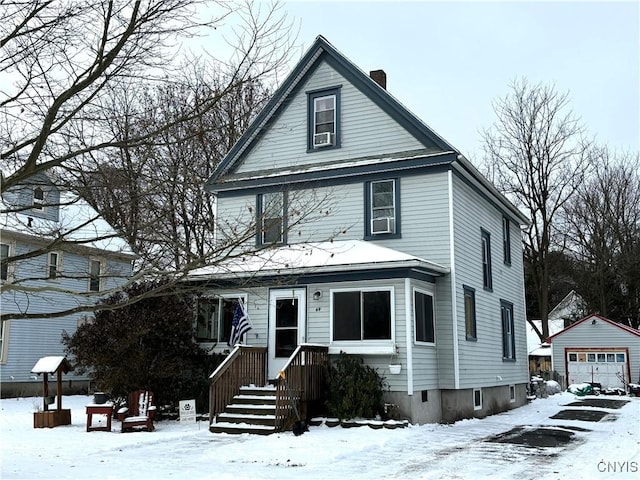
239	325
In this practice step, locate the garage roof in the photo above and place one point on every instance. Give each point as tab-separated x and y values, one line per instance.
592	317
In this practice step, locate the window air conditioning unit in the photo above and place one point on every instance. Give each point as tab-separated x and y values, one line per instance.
323	139
382	225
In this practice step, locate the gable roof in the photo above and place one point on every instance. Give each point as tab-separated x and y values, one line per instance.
436	151
572	304
51	365
592	317
322	50
79	225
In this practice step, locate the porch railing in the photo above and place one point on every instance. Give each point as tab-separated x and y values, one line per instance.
245	365
301	383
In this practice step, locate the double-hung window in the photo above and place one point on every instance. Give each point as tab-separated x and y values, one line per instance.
487	281
54	265
424	317
324	119
271	218
38	199
4	331
382	203
506	240
470	313
508	337
4	262
364	315
95	275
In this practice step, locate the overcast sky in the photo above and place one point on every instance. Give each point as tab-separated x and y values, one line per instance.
447	62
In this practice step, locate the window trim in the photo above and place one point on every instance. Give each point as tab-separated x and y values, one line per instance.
368	209
485	244
10	268
471	292
101	262
219	340
431	294
4	341
371	347
312	96
260	216
477	406
508	337
506	240
512	393
58	266
38	204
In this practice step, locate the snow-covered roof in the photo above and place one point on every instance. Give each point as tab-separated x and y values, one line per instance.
337	256
543	350
77	222
51	365
572	306
595	318
533	340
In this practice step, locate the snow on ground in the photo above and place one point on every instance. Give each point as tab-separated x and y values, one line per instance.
610	449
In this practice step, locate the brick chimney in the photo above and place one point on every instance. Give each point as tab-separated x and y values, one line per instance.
379	77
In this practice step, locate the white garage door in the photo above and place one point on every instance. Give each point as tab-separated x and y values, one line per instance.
606	367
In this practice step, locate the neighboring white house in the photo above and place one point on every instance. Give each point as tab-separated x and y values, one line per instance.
71	274
597	350
377	238
571	308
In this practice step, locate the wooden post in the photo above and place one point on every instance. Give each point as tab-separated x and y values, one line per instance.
45	391
59	391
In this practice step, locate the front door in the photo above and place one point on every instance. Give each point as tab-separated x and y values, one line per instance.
287	326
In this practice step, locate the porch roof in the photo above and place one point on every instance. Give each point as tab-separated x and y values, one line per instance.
322	257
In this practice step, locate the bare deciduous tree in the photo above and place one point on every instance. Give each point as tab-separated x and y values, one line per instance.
153	194
602	225
84	98
62	61
535	154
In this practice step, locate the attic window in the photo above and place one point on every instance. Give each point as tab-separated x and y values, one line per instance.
323	119
38	199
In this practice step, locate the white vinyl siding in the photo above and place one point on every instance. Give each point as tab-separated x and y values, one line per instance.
365	129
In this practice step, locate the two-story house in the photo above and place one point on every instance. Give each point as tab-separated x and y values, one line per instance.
375	237
62	275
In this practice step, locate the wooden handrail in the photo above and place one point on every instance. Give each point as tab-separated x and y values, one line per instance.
300	382
245	365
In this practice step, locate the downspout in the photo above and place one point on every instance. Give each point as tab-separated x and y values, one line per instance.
454	302
408	322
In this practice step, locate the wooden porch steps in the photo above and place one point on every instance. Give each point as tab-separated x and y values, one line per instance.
251	411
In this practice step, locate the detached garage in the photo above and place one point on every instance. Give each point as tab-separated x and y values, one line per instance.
597	350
